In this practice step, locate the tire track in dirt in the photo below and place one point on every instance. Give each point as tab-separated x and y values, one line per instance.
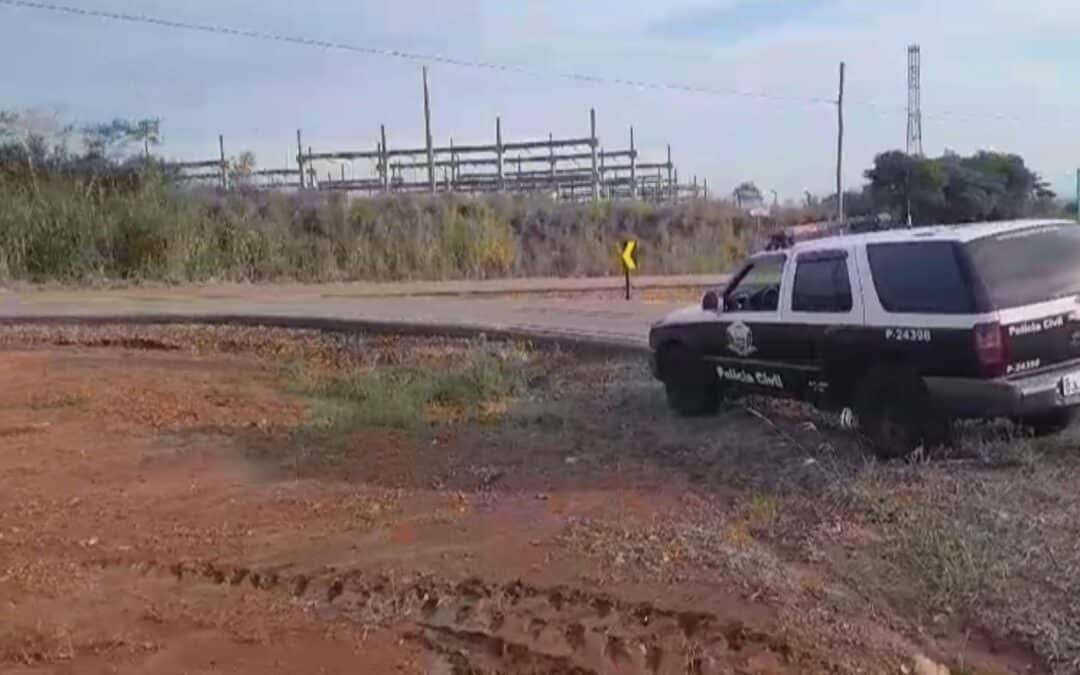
478	626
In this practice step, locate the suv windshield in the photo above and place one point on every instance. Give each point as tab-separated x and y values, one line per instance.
1028	266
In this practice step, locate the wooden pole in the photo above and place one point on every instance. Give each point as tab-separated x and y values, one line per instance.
594	145
603	183
427	130
840	149
383	168
670	183
313	177
300	158
633	167
453	167
224	164
499	153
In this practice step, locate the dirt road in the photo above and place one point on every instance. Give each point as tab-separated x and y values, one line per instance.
174	502
584	310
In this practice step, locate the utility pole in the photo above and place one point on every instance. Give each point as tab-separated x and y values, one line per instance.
499	153
300	158
224	164
670	182
633	167
384	167
450	185
914	102
427	128
593	144
840	149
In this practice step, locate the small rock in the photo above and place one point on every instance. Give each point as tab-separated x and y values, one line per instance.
924	666
571	460
542	497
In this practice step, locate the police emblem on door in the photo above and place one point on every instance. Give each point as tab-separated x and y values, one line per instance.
740	339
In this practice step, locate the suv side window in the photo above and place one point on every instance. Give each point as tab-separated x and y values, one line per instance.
920	277
758	288
822	283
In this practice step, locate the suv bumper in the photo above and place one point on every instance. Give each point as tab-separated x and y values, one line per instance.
973	398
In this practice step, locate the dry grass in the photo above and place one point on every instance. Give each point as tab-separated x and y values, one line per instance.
78	230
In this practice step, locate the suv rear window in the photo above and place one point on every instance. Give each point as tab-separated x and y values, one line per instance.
922	277
1028	266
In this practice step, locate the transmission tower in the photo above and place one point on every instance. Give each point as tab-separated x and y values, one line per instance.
914	102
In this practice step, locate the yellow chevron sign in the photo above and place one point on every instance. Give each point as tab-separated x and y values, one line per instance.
628	255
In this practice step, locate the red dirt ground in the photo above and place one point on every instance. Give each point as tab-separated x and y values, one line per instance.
136	537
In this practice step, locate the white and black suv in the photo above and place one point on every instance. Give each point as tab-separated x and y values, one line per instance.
910	328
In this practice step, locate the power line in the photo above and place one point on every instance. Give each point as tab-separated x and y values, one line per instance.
877	107
400	54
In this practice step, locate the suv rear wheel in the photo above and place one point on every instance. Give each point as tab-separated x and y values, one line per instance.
895	413
691	385
1050	422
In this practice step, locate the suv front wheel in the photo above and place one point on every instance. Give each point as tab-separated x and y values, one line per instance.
894	411
690	383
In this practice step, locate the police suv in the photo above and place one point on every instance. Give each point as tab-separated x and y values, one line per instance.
910	328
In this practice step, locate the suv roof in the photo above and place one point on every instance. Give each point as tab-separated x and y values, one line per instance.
954	232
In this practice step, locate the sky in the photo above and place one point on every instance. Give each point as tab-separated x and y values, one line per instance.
995	75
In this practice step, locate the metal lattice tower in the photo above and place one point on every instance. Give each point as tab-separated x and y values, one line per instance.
914	102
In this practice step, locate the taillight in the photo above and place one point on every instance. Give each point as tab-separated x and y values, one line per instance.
991	348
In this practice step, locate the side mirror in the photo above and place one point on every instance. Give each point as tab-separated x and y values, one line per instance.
710	302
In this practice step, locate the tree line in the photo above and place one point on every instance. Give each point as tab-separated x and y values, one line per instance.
903	189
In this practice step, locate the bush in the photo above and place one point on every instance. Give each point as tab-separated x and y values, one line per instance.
405	397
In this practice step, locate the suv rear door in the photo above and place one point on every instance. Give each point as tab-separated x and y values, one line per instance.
823	313
1032	278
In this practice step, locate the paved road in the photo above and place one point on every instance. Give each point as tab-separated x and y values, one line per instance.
578	311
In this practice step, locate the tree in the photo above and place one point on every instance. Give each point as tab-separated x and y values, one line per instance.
957	189
907	186
110	140
747	195
147	130
857	203
32	139
241	168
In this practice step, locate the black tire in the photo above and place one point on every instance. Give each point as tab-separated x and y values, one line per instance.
895	412
690	383
1049	422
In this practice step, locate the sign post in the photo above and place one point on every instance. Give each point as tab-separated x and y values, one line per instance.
628	257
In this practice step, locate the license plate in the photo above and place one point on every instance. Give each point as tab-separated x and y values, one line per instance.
1070	385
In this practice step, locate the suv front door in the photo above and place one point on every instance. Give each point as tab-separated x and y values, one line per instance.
748	339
